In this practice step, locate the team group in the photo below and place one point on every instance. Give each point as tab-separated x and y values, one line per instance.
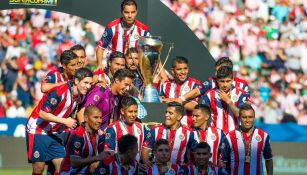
90	122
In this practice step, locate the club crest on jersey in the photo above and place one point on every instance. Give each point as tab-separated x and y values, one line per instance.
205	83
108	135
36	154
136	36
181	137
96	98
171	171
104	34
186	90
77	144
138	131
102	170
53	101
213	137
235	98
258	138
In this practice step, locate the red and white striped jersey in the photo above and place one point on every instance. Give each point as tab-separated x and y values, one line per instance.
214	137
80	145
211	83
222	116
180	140
116	37
234	152
174	169
56	76
59	102
212	169
119	128
171	89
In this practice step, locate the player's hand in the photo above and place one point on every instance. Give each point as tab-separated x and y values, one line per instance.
99	67
224	96
145	165
70	123
105	154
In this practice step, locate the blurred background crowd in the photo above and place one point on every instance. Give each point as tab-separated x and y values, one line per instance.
266	40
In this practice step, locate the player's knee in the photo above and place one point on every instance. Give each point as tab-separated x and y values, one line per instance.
38	167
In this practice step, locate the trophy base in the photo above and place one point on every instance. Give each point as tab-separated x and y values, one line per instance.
151	94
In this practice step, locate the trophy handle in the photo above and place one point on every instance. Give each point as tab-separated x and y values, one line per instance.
156	74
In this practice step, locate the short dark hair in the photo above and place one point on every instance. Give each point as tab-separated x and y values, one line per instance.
245	107
66	56
90	109
128	2
131	50
224	71
179	59
127	142
204	108
178	107
122	74
224	61
82	73
202	145
77	47
128	101
158	143
116	54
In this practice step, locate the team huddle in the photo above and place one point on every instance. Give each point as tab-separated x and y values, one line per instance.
90	122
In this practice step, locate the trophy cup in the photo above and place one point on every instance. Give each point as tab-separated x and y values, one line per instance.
150	48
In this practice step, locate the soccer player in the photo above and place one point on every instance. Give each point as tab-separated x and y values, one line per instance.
121	33
161	152
80	52
180	138
202	164
82	147
132	63
51	117
181	85
247	146
69	61
124	161
107	98
212	82
225	100
205	133
126	125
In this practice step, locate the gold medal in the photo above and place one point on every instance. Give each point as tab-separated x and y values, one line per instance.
247	159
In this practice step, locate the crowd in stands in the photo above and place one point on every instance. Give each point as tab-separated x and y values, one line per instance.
266	41
31	42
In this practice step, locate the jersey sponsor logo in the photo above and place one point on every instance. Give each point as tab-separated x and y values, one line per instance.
96	98
47	109
53	101
36	154
77	144
181	137
258	138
